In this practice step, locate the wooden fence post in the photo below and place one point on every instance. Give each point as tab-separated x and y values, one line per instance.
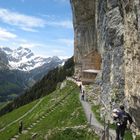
107	130
90	118
104	128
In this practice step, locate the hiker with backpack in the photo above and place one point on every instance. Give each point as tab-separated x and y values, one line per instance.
80	87
83	95
122	118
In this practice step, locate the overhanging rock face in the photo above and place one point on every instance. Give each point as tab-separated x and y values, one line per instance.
84	29
112	28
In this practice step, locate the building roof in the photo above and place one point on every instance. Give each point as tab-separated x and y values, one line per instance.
91	71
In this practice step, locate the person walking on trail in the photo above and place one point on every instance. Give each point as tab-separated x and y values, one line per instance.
122	118
80	86
83	95
20	127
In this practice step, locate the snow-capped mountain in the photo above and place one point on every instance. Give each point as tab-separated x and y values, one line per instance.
24	59
20	69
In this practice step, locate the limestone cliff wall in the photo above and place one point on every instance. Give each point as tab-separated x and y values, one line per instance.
119	37
112	27
131	12
84	29
111	41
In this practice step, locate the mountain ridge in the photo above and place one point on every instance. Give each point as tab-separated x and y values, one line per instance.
24	59
20	69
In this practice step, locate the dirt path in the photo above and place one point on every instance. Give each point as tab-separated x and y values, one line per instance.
90	115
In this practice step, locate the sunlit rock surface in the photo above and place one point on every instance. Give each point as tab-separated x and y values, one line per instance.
111	27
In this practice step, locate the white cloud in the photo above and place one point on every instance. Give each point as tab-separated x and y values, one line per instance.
65	41
30	23
22	21
6	35
29	29
58	51
64	57
64	24
30	45
61	0
21	42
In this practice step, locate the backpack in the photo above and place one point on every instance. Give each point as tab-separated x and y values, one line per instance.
123	117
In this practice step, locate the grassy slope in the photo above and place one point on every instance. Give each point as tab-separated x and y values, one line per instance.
67	114
10	117
6	119
74	134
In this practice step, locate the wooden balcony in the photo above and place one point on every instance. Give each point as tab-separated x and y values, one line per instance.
89	75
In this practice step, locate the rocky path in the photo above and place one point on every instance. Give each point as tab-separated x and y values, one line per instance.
89	114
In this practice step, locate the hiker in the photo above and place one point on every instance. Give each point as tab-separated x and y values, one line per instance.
122	118
83	95
81	88
20	127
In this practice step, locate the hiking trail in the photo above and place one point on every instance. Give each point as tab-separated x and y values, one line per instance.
97	126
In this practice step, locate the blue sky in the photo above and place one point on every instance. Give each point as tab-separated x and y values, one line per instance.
44	26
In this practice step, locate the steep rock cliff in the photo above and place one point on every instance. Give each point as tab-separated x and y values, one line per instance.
112	27
111	41
131	12
84	29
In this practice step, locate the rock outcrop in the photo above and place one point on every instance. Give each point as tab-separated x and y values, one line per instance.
112	28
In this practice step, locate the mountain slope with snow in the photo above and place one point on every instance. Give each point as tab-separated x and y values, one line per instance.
20	69
24	59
